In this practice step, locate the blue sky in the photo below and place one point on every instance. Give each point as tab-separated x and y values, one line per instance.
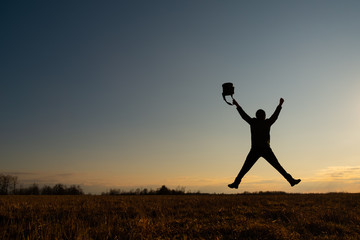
128	93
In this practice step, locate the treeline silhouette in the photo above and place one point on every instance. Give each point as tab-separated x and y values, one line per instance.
8	185
163	190
58	189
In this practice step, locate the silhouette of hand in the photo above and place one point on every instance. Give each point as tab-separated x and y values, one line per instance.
235	103
281	101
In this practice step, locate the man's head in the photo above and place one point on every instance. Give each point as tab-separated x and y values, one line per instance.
260	114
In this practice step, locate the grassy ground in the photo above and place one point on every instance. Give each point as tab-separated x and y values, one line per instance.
308	216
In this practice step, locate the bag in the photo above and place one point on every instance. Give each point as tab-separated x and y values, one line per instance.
228	90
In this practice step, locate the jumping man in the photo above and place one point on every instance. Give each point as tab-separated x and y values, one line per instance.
260	143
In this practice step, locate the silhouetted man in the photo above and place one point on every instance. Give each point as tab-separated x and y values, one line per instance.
260	143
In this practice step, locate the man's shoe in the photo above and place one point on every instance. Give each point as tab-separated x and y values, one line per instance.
295	181
233	185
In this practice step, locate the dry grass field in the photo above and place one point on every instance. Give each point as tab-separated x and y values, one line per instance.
305	216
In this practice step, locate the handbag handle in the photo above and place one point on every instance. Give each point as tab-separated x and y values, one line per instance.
225	99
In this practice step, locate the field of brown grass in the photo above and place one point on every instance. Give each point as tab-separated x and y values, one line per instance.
305	216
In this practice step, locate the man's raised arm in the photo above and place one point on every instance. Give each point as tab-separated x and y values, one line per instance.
275	115
243	114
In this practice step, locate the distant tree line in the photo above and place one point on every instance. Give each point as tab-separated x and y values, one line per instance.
8	185
160	191
57	189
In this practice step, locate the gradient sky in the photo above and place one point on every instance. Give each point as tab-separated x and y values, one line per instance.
127	94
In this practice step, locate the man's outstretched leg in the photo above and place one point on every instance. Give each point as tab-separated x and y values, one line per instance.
271	158
250	160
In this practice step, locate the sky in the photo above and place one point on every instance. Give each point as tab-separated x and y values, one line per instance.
127	94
